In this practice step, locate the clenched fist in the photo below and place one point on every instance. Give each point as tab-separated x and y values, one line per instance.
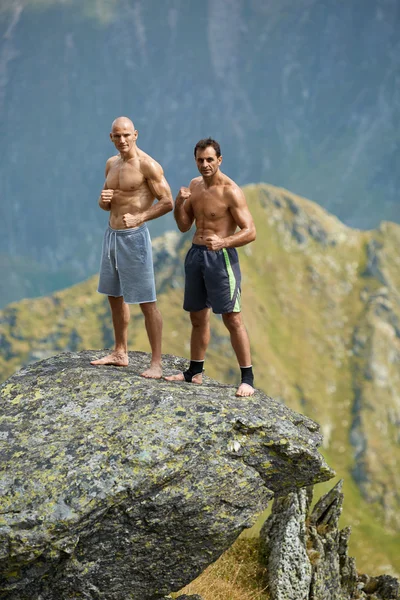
132	220
214	242
106	196
183	194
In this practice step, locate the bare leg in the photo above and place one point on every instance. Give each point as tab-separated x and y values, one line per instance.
241	345
199	341
120	317
153	323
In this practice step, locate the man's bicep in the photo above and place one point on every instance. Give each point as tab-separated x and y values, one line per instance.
188	208
156	180
159	186
240	211
243	218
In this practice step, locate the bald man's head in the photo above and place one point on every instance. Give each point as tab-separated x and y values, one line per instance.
123	135
122	122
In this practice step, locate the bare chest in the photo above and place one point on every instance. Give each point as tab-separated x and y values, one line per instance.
209	206
125	177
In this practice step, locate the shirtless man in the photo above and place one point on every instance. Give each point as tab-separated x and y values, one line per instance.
133	181
212	273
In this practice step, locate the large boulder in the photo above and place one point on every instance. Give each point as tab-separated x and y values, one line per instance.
117	487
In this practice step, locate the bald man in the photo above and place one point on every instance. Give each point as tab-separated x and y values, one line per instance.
133	181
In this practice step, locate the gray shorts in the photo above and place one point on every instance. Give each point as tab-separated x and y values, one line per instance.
212	280
126	267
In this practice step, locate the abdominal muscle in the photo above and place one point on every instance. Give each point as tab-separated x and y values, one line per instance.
133	203
205	228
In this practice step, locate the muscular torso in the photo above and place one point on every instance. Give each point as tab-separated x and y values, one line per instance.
211	210
131	191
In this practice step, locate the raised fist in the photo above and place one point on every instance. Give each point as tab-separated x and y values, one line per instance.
183	194
106	196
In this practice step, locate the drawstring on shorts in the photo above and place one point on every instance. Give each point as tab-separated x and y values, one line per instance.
115	247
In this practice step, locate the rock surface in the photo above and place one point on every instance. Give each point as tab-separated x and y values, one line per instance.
306	554
115	487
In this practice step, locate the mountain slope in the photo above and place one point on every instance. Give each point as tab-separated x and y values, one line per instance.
322	307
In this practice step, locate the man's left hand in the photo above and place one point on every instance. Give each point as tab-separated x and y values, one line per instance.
132	220
214	242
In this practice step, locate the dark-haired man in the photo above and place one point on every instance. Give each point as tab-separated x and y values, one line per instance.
212	273
133	181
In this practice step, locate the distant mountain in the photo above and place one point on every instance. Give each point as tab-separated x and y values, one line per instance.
304	94
322	307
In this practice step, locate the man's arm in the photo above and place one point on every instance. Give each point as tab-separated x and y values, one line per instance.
243	219
183	211
106	194
159	187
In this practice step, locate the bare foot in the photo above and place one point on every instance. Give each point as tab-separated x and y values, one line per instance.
153	372
118	359
180	377
245	389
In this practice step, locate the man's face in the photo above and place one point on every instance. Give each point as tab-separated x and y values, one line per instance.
207	161
123	135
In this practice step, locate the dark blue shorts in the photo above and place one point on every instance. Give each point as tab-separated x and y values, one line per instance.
212	280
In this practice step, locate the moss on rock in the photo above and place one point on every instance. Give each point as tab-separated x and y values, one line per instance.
114	486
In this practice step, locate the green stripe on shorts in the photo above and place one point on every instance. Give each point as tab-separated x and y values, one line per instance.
232	281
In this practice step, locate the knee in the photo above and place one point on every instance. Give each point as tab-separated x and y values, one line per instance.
119	309
199	321
149	309
233	321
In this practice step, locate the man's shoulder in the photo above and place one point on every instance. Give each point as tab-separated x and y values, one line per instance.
228	185
228	182
232	191
147	161
149	166
112	160
196	181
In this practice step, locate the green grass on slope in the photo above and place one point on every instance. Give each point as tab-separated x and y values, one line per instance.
72	319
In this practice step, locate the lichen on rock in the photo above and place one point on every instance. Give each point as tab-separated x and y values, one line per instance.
116	487
306	554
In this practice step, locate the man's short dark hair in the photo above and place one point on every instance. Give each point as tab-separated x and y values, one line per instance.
203	144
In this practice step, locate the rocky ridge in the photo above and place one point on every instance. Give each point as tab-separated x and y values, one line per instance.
307	555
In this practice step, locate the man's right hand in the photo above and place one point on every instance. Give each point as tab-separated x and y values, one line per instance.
183	194
106	196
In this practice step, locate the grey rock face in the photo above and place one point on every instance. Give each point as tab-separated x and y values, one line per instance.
284	536
115	487
307	556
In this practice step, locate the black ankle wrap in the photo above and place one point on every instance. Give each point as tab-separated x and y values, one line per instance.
195	368
247	375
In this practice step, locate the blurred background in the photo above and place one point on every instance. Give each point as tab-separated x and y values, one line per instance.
303	95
